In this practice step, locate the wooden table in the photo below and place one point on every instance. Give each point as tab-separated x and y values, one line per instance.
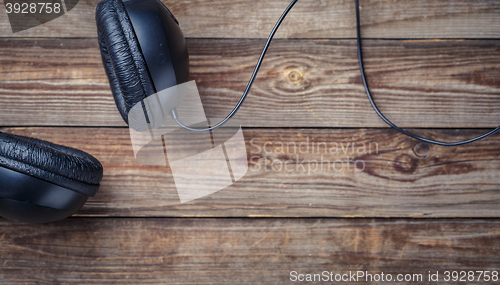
433	67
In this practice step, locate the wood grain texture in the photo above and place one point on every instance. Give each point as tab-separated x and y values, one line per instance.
303	83
311	151
304	173
308	19
243	251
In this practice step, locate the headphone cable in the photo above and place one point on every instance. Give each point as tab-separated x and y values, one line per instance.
363	77
250	83
372	102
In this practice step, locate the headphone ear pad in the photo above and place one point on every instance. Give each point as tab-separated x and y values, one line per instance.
64	166
123	60
43	182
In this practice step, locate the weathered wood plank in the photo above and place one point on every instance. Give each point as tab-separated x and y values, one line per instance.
305	173
303	83
243	251
309	19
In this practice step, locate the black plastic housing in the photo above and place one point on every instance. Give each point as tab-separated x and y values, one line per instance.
32	200
161	41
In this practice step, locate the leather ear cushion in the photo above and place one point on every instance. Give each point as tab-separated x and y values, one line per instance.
60	165
123	61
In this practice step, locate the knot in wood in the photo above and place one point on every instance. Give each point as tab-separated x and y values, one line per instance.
421	149
294	76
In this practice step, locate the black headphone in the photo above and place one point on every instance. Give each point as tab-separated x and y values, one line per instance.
43	182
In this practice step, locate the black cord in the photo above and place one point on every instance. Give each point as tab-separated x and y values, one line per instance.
250	83
361	67
360	58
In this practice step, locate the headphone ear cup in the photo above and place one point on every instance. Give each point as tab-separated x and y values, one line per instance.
44	182
123	60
